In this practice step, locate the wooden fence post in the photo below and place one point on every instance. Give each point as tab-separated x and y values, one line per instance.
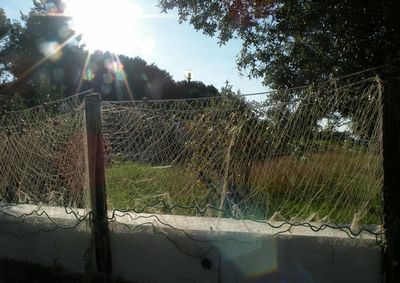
391	167
98	199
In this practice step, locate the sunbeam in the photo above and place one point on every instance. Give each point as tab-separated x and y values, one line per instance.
49	53
105	25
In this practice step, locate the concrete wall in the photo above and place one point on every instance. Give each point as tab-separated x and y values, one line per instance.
162	248
35	238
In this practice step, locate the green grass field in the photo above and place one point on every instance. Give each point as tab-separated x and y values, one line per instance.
334	184
131	185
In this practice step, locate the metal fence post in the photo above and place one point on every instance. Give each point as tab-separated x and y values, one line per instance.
98	199
391	167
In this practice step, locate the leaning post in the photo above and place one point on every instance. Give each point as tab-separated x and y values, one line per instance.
98	199
391	169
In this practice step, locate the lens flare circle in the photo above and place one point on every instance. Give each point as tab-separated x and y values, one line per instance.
104	24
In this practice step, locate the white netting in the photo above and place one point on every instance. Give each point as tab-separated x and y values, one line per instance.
305	154
310	154
42	154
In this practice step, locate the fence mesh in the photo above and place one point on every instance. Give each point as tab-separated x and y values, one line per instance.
42	154
304	155
42	165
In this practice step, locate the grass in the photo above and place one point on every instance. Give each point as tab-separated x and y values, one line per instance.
336	185
333	184
132	185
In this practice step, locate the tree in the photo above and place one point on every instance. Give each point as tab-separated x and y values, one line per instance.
196	89
38	48
125	78
296	42
5	26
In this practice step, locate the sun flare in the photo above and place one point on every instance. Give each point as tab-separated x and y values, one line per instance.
105	24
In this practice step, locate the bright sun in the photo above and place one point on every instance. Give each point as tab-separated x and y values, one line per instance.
105	24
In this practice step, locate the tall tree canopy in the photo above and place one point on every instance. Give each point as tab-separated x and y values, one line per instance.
296	42
42	46
4	31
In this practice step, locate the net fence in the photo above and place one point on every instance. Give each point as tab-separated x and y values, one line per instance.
42	165
305	156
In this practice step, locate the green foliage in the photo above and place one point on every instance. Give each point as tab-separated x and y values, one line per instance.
32	50
135	79
143	79
15	103
193	89
5	26
131	185
4	23
46	92
291	185
296	42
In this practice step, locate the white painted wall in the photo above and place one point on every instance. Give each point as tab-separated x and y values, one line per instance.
146	249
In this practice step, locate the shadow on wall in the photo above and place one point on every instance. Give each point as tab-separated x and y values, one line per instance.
165	248
170	256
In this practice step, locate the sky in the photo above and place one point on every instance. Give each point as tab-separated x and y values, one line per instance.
160	39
